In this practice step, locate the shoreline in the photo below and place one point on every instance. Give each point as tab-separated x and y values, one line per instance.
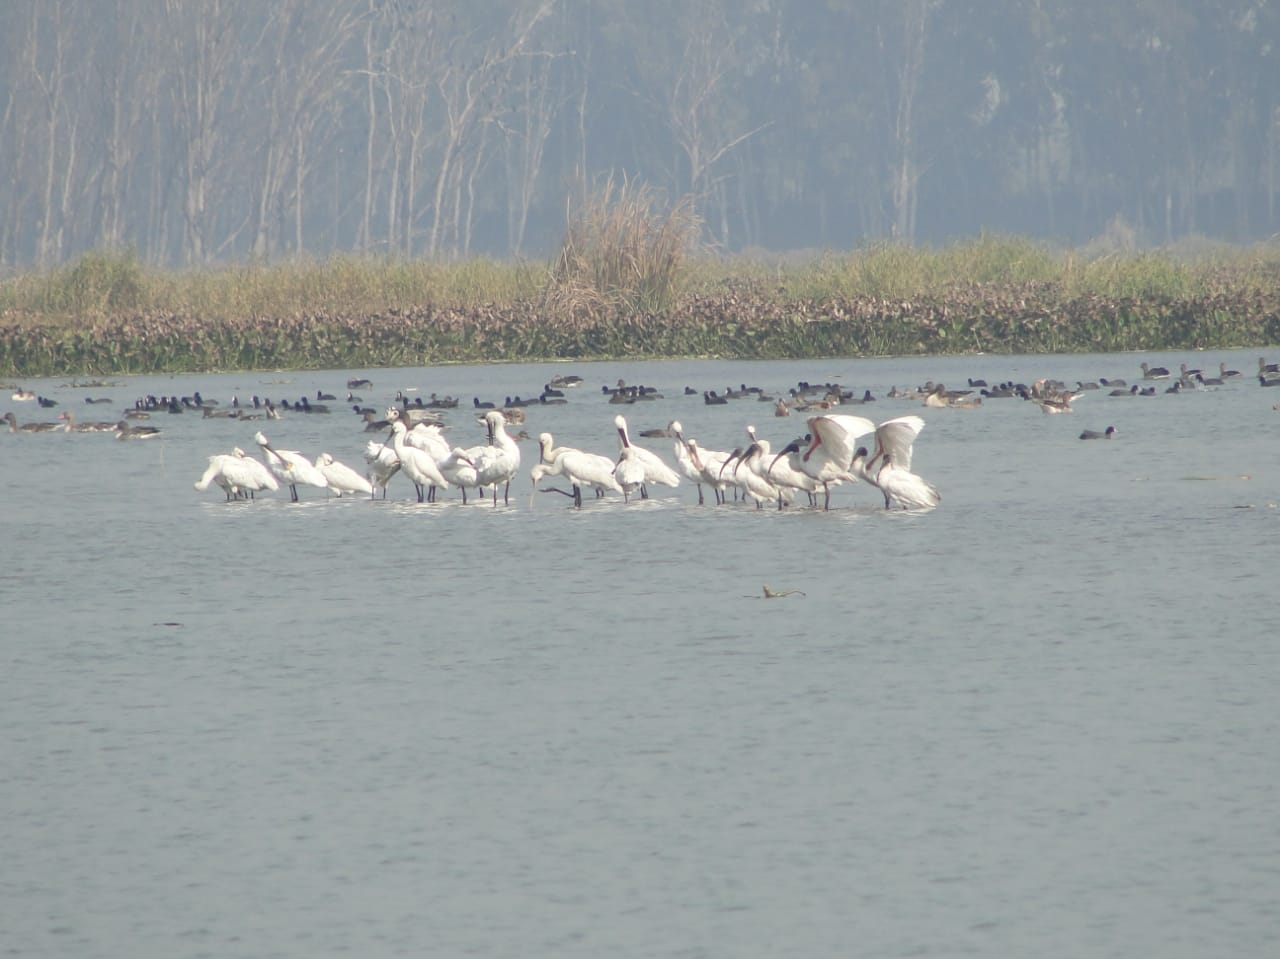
728	326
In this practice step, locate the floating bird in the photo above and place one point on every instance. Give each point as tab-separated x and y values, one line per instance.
72	426
126	431
1154	372
23	396
30	427
1106	434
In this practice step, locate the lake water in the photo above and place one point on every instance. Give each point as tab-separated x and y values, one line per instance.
1040	720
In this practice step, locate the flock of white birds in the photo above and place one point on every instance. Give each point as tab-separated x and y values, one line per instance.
838	449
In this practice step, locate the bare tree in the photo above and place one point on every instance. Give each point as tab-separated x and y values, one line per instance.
699	101
910	66
203	39
470	94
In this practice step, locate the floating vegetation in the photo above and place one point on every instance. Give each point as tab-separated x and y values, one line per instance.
350	313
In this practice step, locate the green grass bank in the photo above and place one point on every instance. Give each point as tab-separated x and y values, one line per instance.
640	297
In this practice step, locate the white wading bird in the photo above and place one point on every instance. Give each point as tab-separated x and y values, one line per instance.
341	477
748	480
383	464
904	487
500	460
896	438
684	460
416	464
290	467
710	464
833	441
580	469
237	474
651	468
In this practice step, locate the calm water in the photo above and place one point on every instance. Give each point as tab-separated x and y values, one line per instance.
1039	721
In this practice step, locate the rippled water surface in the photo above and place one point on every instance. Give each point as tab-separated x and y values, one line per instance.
1038	721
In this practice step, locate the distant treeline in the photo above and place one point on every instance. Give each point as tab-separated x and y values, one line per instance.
108	314
214	131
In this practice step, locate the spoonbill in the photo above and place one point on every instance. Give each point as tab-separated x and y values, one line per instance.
237	474
654	469
749	480
831	449
709	464
290	467
630	473
908	489
784	471
416	464
341	477
684	461
383	464
581	469
500	461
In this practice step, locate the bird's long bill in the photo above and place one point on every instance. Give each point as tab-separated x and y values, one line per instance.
622	435
789	448
736	454
693	455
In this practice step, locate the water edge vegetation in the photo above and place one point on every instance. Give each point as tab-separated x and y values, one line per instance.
622	285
